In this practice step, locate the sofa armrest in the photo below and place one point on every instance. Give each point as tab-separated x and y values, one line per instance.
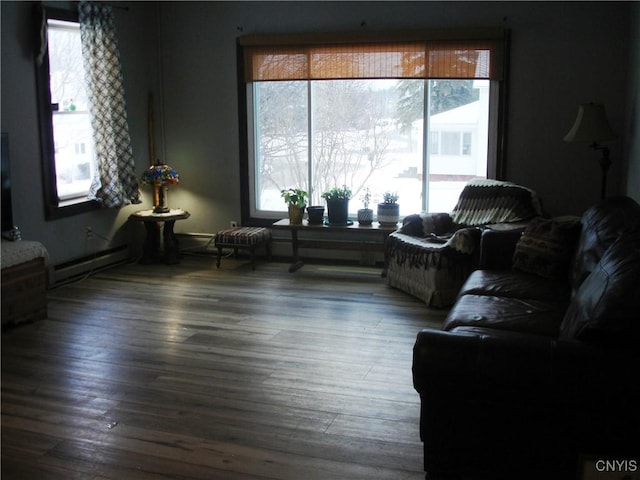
497	248
480	361
498	382
518	360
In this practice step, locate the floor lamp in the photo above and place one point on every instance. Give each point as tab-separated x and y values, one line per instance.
591	126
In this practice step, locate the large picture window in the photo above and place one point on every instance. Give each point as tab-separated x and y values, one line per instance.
416	117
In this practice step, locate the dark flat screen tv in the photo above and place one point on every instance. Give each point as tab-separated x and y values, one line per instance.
7	211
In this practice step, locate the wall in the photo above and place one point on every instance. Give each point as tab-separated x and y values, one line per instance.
65	238
563	54
633	123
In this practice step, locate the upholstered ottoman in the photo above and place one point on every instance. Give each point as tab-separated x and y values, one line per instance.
248	238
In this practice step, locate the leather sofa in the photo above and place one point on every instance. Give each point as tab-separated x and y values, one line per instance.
535	370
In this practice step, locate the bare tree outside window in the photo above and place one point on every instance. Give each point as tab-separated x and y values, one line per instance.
282	139
319	134
351	134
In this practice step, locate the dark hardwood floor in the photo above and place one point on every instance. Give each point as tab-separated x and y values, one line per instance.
190	372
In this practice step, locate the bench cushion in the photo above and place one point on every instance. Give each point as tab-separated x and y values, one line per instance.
243	236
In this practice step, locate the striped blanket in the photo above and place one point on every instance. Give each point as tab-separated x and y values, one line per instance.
485	201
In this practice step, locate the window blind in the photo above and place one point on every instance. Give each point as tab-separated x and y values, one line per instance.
272	58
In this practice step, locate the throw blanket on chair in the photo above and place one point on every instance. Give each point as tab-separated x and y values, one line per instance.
423	252
431	255
486	201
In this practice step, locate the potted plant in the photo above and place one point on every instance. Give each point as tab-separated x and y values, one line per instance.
316	214
388	209
296	200
338	205
365	215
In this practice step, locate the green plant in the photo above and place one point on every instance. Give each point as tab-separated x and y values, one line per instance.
294	196
389	197
366	197
338	193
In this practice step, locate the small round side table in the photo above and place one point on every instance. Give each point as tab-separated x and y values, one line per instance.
151	247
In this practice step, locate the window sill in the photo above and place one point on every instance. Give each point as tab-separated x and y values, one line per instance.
69	208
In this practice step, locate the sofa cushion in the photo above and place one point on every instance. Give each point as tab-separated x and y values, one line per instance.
601	226
606	307
424	224
506	283
546	247
506	313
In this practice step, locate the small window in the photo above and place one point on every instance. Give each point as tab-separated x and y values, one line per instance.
435	142
67	137
466	143
450	143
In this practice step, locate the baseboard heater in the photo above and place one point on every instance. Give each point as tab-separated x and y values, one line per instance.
79	267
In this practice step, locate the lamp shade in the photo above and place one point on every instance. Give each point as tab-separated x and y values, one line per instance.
160	174
591	125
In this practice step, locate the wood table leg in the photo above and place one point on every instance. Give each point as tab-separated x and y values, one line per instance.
151	246
385	265
219	257
171	253
297	264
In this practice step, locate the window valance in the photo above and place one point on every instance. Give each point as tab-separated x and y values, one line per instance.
464	54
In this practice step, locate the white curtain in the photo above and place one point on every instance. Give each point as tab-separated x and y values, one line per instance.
115	183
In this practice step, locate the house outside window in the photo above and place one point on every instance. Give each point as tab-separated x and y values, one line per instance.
337	127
